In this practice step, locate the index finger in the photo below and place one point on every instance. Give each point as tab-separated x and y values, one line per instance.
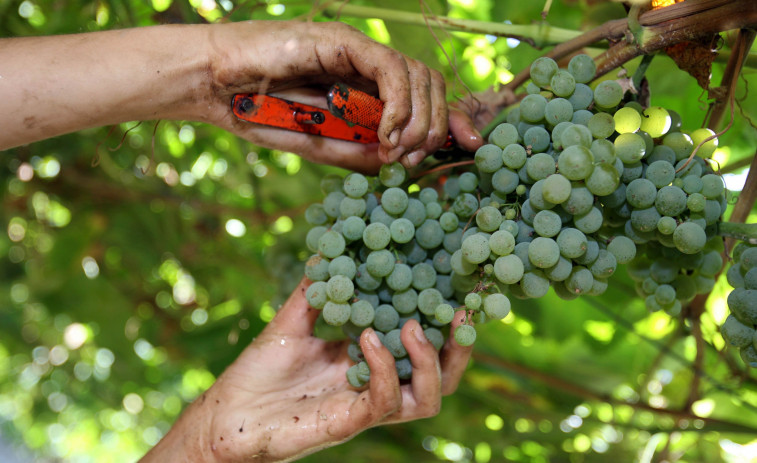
454	357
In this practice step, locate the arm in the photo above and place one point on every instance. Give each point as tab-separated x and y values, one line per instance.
191	72
286	396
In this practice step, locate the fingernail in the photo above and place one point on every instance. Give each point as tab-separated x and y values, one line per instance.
373	339
394	137
395	153
420	335
416	157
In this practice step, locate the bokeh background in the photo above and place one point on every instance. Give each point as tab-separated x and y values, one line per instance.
130	277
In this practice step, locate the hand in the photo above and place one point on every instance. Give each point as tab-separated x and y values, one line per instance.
287	396
289	58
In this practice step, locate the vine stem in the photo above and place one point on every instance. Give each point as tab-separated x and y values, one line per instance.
740	231
442	167
537	34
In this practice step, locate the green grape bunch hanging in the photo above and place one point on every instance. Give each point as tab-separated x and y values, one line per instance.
572	185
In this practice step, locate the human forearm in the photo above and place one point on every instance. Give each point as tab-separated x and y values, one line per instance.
55	85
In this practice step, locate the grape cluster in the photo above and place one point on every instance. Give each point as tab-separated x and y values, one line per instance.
572	185
383	256
739	327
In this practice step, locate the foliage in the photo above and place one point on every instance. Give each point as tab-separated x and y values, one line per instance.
126	288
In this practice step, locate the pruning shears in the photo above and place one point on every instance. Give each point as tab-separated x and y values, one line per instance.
352	115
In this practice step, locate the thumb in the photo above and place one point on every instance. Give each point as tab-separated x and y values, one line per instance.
295	317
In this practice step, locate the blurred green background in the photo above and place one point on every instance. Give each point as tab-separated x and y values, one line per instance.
124	294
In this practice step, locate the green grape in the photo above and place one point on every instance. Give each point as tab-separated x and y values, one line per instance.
536	198
623	248
532	88
700	135
355	185
748	259
580	280
385	318
465	335
352	377
662	153
505	180
734	277
316	294
582	97
571	242
514	156
475	249
336	313
441	261
331	244
316	215
406	301
473	301
401	231
665	294
689	238
365	280
496	306
380	263
351	207
428	195
376	236
601	125
354	353
656	121
394	201
540	166
583	68
453	240
342	265
528	212
392	175
449	221
488	218
605	264
582	117
627	120
563	84
488	158
429	235
353	228
603	180
680	143
542	70
393	343
424	276
379	215
340	288
598	287
670	201
750	278
435	337
580	200
401	277
641	193
547	223
330	183
503	135
317	268
666	225
468	182
743	305
660	173
313	236
557	132
712	186
534	284
415	213
630	147
543	252
502	242
362	313
589	222
575	162
645	220
696	202
558	110
736	333
332	202
444	313
509	269
537	138
608	94
532	108
428	300
560	271
556	188
460	265
372	298
414	253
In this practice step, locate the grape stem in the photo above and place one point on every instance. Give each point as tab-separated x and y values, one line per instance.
442	167
740	231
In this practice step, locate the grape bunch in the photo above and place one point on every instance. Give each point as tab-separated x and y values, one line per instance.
383	256
739	327
573	184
